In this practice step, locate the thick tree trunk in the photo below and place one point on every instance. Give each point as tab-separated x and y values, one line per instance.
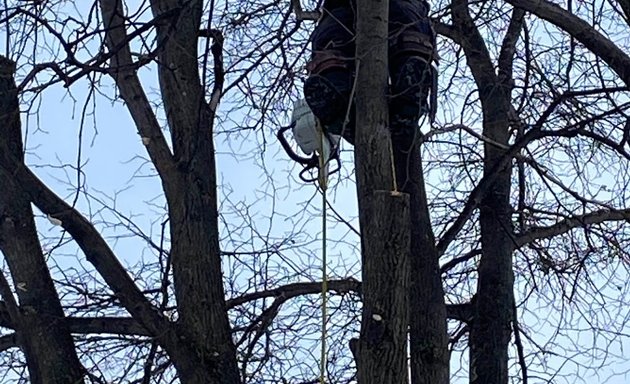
492	318
382	347
189	181
44	336
192	196
490	329
383	212
427	321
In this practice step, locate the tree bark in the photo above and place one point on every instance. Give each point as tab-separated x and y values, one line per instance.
381	350
490	329
192	194
382	347
189	181
427	321
42	332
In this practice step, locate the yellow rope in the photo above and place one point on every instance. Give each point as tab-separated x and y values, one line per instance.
393	162
323	184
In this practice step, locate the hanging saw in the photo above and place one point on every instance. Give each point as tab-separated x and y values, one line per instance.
323	148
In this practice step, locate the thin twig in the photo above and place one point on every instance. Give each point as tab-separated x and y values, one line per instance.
519	346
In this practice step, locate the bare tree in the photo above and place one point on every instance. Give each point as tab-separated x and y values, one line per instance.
511	135
381	350
496	244
38	315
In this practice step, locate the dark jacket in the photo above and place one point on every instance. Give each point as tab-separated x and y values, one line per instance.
332	4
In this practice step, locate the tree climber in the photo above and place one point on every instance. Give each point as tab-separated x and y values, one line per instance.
411	50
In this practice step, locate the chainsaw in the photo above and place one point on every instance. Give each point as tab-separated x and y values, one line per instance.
320	149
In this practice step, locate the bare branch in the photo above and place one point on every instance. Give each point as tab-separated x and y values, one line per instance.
460	259
298	289
462	312
625	6
534	133
614	56
113	325
8	342
566	225
90	241
219	71
131	90
508	48
519	347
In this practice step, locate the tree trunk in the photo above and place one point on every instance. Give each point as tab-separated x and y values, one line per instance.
43	335
189	181
493	308
191	194
490	329
427	321
383	212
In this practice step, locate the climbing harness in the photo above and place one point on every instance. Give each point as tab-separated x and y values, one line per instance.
323	149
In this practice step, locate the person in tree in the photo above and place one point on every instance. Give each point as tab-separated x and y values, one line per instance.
411	50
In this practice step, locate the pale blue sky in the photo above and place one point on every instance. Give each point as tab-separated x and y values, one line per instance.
112	154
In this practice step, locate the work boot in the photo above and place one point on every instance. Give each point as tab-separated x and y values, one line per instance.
328	96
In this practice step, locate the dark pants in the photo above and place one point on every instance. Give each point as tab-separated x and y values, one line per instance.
410	36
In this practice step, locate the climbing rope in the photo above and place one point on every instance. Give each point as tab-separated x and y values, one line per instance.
323	185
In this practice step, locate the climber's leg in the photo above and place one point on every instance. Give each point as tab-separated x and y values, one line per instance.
327	90
411	50
328	95
411	81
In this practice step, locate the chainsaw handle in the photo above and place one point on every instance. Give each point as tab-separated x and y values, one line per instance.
306	161
308	178
309	163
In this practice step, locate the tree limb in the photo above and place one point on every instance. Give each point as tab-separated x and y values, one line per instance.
508	47
566	225
462	312
219	72
128	83
625	6
297	289
129	326
94	247
597	43
8	342
459	259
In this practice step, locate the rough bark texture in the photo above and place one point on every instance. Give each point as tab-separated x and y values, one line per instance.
373	153
384	215
427	319
204	351
493	308
382	347
191	194
42	332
